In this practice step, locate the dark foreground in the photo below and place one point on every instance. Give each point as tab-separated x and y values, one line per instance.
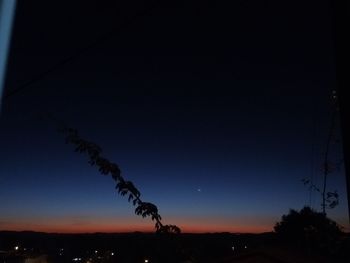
33	247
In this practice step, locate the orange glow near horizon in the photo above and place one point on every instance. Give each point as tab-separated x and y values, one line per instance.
131	225
190	224
107	229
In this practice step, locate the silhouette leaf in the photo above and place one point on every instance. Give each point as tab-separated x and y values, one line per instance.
146	209
169	229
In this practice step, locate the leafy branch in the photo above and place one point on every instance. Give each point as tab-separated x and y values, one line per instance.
331	199
124	187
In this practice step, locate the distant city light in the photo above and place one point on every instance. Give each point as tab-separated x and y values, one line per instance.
76	259
233	248
16	247
112	254
146	261
245	247
96	251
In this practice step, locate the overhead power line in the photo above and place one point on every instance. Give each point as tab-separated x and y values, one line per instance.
79	53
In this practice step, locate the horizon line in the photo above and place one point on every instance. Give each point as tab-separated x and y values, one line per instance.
134	232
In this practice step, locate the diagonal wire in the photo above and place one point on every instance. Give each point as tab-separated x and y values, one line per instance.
79	53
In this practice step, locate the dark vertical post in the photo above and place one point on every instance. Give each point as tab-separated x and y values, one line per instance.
341	29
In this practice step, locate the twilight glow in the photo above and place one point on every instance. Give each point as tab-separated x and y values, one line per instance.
215	121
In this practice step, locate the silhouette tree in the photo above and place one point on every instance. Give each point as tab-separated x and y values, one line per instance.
124	187
309	229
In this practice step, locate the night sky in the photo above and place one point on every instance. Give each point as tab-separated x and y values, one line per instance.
215	111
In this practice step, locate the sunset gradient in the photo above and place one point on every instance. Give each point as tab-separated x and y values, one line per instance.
215	113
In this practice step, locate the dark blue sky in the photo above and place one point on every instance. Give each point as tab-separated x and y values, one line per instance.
215	112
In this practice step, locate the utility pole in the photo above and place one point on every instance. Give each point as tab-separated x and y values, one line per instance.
340	27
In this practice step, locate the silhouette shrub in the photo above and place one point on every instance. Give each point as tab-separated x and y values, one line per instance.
309	230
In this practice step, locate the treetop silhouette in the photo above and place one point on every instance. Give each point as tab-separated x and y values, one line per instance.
309	229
